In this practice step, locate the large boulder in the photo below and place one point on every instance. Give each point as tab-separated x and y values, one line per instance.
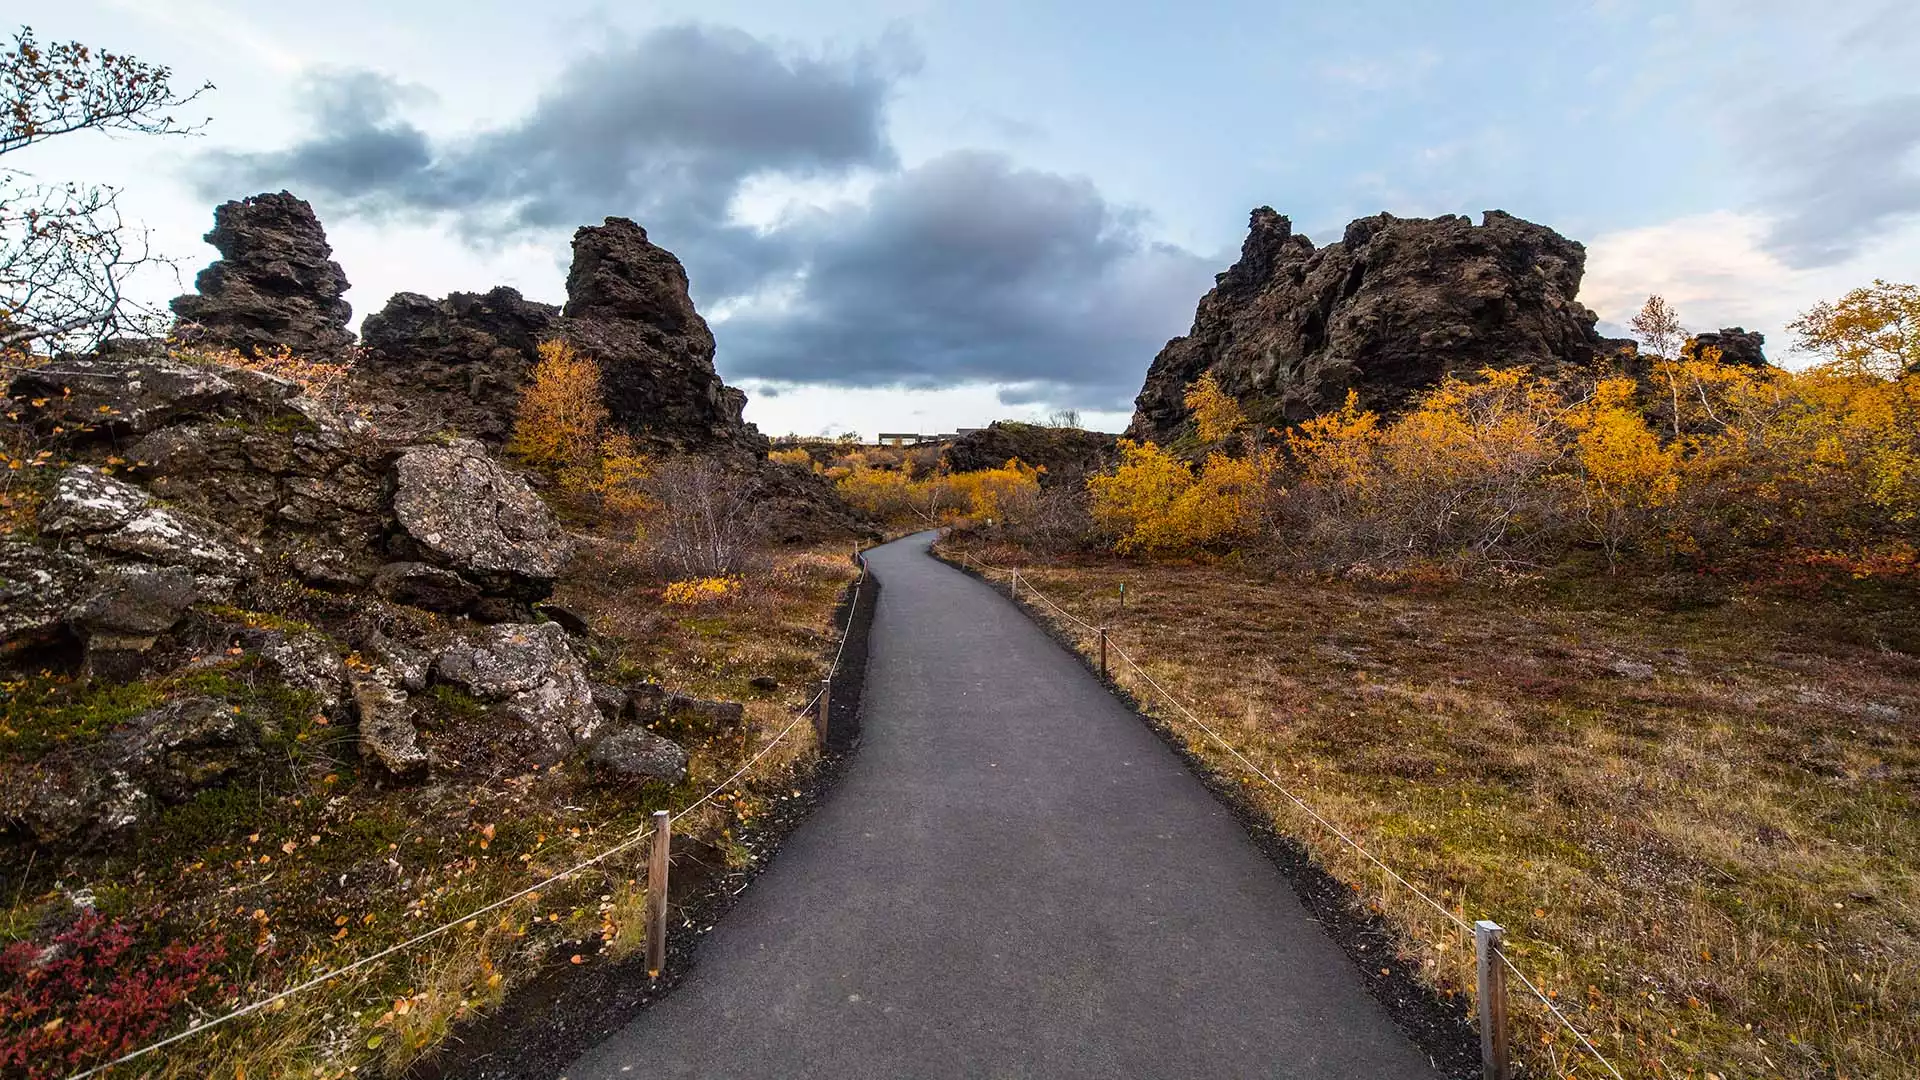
1388	311
126	611
531	671
457	363
628	307
462	511
119	396
275	285
1737	346
387	733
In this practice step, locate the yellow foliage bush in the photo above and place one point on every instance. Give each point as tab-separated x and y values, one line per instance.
558	425
1153	502
701	590
1216	413
795	456
892	494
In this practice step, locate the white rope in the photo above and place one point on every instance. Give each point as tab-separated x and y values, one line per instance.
1330	827
1555	1010
632	840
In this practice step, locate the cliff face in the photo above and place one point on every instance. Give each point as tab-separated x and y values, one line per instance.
1394	306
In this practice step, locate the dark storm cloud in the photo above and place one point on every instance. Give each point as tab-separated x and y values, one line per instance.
963	269
969	269
1838	176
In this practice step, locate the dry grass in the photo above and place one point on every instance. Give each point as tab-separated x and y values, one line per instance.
1700	828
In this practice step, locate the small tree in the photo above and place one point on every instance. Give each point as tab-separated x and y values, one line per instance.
1658	327
559	423
1216	414
1870	331
65	251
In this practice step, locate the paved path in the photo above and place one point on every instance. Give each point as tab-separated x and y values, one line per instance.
1015	878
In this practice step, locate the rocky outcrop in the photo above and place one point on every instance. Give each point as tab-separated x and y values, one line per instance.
458	362
1737	346
1393	307
275	285
628	307
533	673
461	510
387	734
1067	454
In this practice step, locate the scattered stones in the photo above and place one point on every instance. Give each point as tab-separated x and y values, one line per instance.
463	511
763	684
275	285
637	755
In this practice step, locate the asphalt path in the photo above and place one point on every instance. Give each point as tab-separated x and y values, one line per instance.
1015	878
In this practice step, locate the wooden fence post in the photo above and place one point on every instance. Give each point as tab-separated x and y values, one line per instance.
1103	653
657	894
1013	590
1487	937
820	718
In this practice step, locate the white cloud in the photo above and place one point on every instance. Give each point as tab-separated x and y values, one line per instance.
1715	270
798	408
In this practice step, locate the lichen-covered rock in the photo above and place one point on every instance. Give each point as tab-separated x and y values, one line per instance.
86	500
410	666
387	732
424	586
304	660
532	671
637	755
464	512
629	308
38	586
162	757
120	396
136	601
455	364
162	536
1387	312
275	285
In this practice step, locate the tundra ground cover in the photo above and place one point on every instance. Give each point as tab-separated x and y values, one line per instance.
1698	825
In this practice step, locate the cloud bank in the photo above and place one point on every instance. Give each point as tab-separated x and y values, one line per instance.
962	269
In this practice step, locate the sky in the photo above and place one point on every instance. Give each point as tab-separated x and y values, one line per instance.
928	214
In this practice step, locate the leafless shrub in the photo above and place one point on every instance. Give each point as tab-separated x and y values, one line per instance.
709	521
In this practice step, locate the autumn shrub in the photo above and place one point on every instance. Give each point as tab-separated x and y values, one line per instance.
1217	415
561	429
1156	503
705	590
795	457
893	495
91	995
706	521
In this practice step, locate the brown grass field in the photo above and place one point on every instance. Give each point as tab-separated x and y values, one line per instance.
1699	827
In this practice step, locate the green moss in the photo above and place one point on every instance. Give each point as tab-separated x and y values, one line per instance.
449	703
212	817
258	620
39	713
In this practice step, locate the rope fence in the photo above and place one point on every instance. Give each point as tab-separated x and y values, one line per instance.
657	830
1492	961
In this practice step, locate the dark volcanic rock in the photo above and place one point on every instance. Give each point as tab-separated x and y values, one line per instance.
459	362
121	396
637	756
628	308
37	587
1387	312
424	586
276	282
541	685
1066	454
1737	345
464	512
